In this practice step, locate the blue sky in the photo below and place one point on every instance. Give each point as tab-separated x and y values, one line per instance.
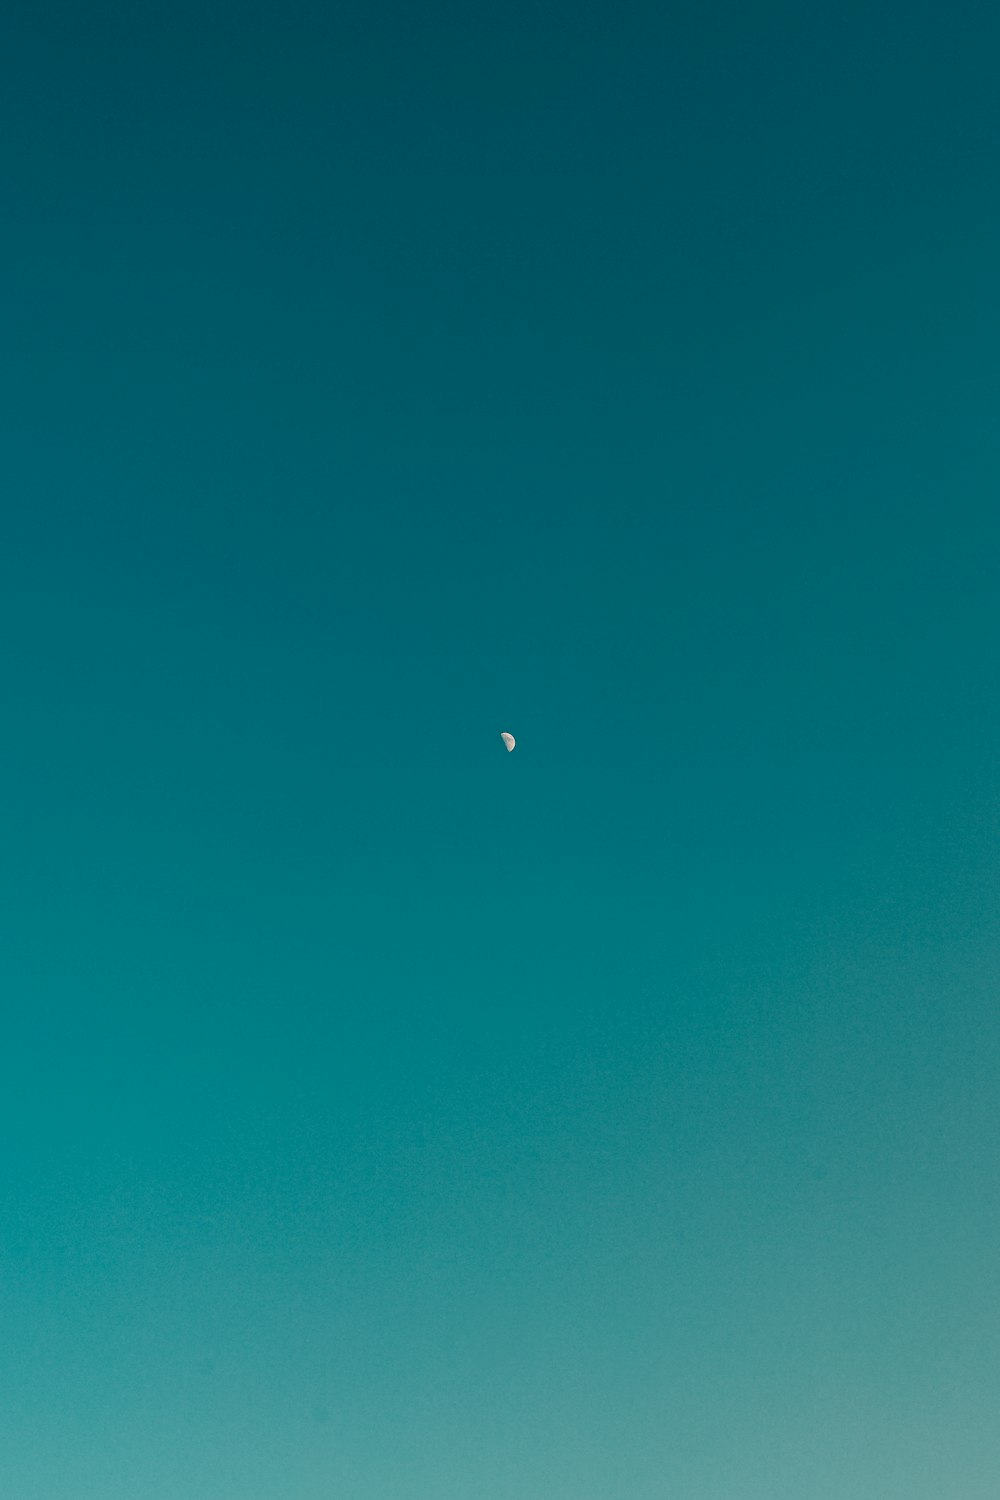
382	1114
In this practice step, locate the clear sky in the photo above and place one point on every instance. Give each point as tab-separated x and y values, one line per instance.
384	1116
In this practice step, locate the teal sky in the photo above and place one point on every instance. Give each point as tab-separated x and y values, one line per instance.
383	1116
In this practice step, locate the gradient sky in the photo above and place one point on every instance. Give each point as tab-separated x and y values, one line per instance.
383	1116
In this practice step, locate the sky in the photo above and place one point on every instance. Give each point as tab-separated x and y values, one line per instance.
384	1116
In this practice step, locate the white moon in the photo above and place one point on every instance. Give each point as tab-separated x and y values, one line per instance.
508	740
